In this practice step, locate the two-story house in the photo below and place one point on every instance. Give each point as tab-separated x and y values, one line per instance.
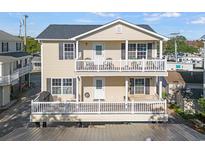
15	66
109	72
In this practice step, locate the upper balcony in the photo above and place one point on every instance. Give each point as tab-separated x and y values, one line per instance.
120	58
138	65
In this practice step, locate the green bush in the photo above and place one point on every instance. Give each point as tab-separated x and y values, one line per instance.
201	102
164	95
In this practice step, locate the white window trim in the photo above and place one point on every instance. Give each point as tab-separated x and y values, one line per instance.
69	51
61	86
135	87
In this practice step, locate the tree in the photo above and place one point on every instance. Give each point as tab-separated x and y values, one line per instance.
32	45
182	45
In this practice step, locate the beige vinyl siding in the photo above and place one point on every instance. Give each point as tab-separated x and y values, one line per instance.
128	33
114	88
55	68
112	49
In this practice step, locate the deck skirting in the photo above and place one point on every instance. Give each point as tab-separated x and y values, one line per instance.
99	117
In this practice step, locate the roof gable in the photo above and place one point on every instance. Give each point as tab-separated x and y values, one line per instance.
64	32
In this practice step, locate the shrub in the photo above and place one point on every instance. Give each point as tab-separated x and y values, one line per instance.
201	103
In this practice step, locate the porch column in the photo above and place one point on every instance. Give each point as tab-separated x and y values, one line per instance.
77	89
160	88
126	49
126	89
160	49
76	49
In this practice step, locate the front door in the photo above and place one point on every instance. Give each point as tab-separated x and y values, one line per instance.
99	88
98	54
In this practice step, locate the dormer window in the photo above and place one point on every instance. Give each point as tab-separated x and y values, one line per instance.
18	46
5	47
119	29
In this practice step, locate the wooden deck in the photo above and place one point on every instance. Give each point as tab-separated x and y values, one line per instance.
109	132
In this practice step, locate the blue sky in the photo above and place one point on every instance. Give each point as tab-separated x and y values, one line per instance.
191	25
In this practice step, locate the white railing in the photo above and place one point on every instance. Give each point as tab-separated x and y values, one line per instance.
8	79
154	107
24	70
141	65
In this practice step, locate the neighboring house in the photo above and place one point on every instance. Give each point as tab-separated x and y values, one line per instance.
108	72
36	63
14	68
173	82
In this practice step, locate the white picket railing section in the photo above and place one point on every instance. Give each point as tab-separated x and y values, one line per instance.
121	65
5	80
154	107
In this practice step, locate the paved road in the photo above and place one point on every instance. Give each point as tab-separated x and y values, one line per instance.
17	116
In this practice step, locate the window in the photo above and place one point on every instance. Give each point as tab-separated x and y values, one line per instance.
98	84
122	50
131	51
141	51
56	86
67	86
18	46
25	62
5	47
68	51
62	86
137	86
37	64
98	49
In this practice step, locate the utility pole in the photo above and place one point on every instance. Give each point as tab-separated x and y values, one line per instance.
25	35
175	44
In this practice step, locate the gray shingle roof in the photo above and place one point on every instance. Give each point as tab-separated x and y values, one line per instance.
4	36
69	31
203	37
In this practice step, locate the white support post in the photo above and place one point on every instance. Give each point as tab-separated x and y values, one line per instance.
126	90
160	49
126	49
77	89
160	88
76	50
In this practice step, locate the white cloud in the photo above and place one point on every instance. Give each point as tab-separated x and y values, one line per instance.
104	14
170	14
84	21
200	20
158	16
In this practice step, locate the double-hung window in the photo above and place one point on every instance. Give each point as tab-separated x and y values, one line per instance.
56	86
137	86
68	50
132	51
5	47
62	86
67	86
141	51
18	46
